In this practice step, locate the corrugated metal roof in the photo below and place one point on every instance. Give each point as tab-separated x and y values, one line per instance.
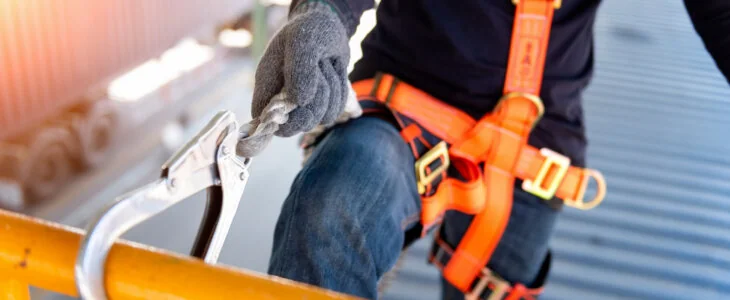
657	116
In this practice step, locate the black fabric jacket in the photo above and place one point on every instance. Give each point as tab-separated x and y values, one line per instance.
457	51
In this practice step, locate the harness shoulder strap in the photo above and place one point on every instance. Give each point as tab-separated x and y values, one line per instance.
499	148
530	37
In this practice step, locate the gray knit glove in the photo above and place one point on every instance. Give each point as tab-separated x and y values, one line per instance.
305	64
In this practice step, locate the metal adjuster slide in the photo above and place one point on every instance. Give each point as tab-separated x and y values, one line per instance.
423	179
488	279
537	186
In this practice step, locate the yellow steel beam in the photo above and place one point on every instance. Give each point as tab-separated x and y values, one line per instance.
42	254
11	289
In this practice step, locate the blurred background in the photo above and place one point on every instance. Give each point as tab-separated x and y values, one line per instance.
96	95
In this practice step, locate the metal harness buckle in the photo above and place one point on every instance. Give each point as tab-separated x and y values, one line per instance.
207	161
500	286
423	179
580	202
552	158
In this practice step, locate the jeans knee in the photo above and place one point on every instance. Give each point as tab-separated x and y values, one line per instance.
353	165
353	194
330	195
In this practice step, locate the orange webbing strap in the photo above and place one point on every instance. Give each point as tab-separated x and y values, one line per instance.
530	36
453	125
417	105
571	189
488	280
467	196
514	116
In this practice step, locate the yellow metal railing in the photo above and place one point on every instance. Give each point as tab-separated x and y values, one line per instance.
42	254
97	266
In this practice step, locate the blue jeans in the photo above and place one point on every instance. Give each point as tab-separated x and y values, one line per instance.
342	225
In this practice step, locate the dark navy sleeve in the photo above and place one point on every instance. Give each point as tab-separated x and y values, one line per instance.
349	11
711	19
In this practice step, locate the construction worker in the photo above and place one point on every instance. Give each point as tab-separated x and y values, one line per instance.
357	201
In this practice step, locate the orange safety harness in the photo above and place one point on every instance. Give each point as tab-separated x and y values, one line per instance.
470	165
487	155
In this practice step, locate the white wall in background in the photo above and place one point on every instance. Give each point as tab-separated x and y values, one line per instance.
367	22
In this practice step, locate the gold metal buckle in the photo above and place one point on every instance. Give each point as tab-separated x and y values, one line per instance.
579	203
551	159
532	98
501	286
556	3
423	179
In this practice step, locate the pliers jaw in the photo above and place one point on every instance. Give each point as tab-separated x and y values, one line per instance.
207	161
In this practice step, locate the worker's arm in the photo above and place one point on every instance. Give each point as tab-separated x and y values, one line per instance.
349	11
711	19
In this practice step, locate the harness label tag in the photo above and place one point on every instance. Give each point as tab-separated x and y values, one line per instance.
527	52
526	60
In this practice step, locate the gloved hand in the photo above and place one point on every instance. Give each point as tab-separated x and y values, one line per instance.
305	64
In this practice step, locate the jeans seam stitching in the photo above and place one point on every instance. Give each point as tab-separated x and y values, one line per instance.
409	220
